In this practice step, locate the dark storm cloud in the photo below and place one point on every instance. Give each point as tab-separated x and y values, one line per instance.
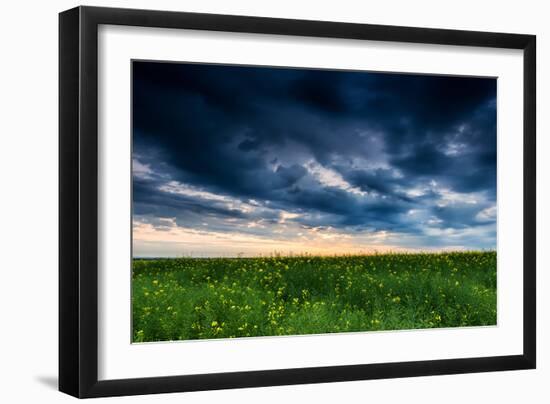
349	150
379	180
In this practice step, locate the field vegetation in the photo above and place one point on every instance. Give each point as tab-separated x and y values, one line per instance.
198	298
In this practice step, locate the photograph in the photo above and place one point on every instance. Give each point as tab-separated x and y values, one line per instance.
290	199
278	201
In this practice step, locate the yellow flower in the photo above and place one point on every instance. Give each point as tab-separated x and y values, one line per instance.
214	323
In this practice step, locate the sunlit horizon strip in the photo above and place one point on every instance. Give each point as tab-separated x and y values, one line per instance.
175	242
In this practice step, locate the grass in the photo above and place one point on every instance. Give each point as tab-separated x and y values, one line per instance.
191	298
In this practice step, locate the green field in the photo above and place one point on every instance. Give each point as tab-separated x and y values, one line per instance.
192	298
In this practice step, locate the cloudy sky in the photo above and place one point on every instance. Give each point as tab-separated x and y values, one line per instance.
233	160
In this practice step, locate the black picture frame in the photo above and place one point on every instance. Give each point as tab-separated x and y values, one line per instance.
78	201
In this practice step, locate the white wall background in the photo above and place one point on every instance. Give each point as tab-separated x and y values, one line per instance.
28	202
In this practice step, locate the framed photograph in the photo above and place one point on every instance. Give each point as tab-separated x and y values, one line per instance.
251	201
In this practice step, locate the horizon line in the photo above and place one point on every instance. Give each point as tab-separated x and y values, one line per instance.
306	255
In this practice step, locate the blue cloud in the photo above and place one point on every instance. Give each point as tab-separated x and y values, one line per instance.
352	151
